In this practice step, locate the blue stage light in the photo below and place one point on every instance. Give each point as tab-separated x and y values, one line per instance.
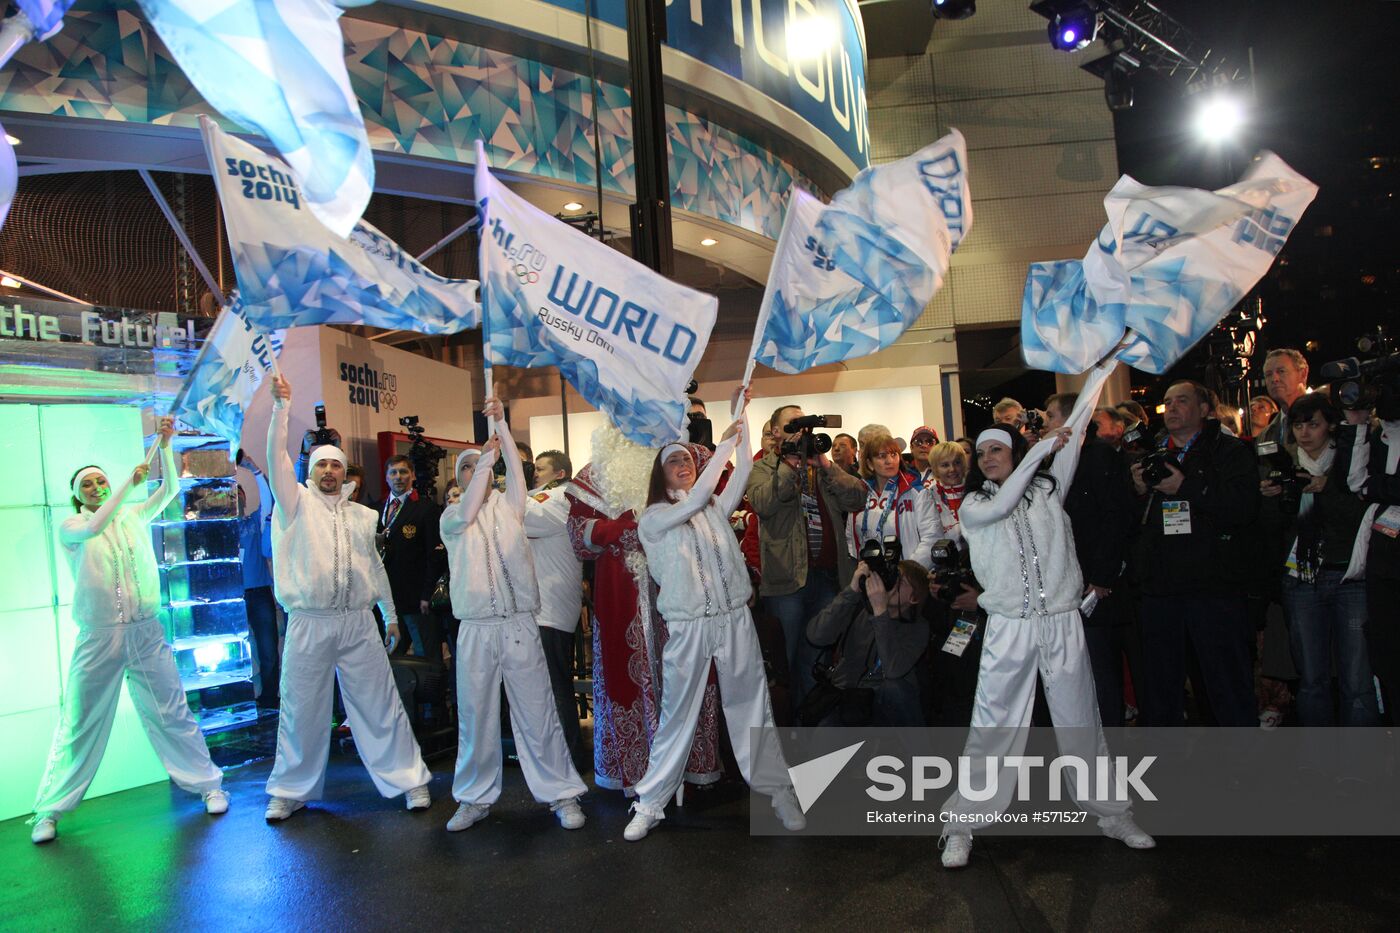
1073	29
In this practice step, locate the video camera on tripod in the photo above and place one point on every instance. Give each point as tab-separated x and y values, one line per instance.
808	443
423	454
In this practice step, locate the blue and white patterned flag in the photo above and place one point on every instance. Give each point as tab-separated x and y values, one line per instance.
227	372
292	271
277	67
625	337
45	16
1164	270
849	277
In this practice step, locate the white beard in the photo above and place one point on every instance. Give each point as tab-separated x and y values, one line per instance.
621	469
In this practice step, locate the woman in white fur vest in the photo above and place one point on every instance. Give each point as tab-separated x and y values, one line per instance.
1022	551
704	593
496	598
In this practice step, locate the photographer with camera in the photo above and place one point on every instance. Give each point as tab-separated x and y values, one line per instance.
1368	455
1201	499
1023	553
1323	593
801	499
896	510
879	635
408	537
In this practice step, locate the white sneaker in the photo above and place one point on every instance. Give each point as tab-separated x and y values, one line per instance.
45	830
641	824
468	814
279	808
419	798
957	849
789	810
215	802
568	811
1123	828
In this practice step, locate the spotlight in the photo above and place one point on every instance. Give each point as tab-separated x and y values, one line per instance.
708	241
12	140
7	282
573	206
1219	118
1073	29
954	9
809	37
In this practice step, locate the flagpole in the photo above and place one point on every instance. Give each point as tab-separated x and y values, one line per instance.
765	308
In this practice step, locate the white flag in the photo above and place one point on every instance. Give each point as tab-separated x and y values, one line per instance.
625	337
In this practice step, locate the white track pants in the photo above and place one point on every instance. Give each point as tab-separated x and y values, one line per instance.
508	650
100	658
319	647
743	693
1013	652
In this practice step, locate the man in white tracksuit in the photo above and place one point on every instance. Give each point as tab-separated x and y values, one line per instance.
116	601
559	573
496	597
328	575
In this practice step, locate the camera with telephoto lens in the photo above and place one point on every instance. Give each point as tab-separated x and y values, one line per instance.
951	570
1361	385
808	444
423	454
1157	465
882	559
322	434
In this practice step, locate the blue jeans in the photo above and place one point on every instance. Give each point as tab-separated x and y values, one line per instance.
1324	617
794	611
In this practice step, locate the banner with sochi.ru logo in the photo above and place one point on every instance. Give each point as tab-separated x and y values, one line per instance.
292	271
625	337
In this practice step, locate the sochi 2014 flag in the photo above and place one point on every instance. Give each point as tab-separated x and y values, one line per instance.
1167	266
227	372
625	337
277	67
292	271
849	277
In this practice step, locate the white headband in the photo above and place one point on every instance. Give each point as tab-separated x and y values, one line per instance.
993	434
83	474
328	452
673	448
471	455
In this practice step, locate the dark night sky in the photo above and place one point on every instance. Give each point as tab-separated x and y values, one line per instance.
1328	90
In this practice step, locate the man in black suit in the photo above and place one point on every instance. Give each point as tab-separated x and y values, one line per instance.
1101	508
408	535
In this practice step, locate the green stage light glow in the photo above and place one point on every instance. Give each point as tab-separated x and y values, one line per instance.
40	447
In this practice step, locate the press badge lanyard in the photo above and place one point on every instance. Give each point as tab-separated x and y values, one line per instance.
1176	513
891	487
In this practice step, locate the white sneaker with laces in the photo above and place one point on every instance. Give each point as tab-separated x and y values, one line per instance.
789	810
641	824
215	802
568	811
45	829
419	798
1123	828
279	808
468	814
957	849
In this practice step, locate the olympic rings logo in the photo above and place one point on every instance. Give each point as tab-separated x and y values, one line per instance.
525	274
